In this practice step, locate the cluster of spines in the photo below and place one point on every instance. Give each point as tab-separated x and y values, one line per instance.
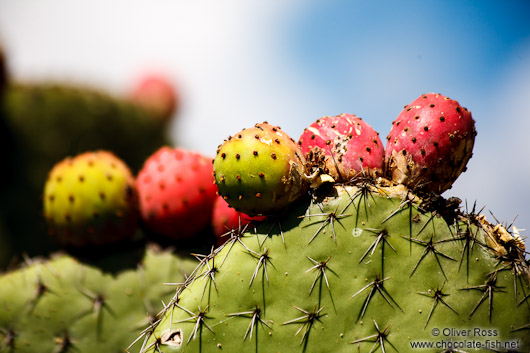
464	230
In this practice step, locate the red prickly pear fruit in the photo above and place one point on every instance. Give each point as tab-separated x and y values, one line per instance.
157	95
430	143
176	192
226	218
90	200
342	146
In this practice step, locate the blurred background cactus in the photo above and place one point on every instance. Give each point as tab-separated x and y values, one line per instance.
44	122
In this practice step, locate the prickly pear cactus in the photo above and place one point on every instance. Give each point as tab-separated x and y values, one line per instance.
44	123
63	305
91	199
361	269
260	170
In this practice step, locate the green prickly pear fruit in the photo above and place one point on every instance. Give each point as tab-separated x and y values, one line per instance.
63	305
260	170
91	200
364	268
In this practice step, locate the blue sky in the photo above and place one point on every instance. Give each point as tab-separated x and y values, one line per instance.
291	62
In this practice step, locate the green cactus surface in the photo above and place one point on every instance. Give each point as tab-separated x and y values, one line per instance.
63	305
259	170
362	269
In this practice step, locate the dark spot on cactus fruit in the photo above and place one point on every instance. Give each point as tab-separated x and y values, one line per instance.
416	117
431	105
361	159
405	129
256	137
255	153
277	141
223	155
313	137
178	178
388	137
51	198
90	163
368	149
375	142
258	195
109	177
67	217
273	155
71	198
238	156
59	179
458	109
405	106
102	196
81	178
413	140
239	136
300	143
328	142
408	109
162	186
435	143
202	190
422	151
404	152
185	202
165	206
426	128
222	179
113	165
442	118
333	126
274	129
261	175
451	137
171	338
238	177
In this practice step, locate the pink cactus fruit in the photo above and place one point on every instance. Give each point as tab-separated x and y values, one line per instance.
176	192
156	94
342	146
226	218
430	143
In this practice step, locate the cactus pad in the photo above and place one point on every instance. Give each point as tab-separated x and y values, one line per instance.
364	269
63	305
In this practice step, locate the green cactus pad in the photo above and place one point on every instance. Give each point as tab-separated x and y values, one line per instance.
62	305
91	199
364	269
259	170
